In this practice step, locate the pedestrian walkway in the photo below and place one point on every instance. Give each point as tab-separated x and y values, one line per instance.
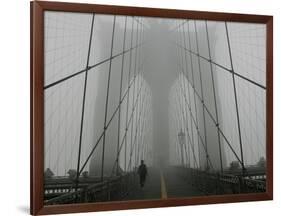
163	184
178	184
151	189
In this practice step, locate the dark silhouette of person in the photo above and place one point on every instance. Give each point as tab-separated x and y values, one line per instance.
142	171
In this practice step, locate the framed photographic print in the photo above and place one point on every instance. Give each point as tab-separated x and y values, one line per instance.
141	107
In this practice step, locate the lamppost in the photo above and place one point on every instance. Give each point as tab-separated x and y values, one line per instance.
181	137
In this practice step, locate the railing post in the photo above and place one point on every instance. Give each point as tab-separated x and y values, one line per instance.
217	183
108	189
241	185
85	194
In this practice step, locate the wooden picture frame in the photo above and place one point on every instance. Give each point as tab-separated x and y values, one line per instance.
37	9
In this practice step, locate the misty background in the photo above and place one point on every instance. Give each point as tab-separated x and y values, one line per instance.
148	80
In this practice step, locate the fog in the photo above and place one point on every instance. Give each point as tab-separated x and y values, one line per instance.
148	80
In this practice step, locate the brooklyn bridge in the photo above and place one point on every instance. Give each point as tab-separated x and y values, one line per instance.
185	96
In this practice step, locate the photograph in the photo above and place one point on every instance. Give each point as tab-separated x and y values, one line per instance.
152	108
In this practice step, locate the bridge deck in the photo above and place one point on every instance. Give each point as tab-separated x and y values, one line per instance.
170	182
162	184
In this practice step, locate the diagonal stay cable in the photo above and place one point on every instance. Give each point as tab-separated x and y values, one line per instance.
202	93
120	92
192	146
83	106
89	67
236	101
128	95
107	98
101	136
197	128
122	143
223	67
214	95
217	125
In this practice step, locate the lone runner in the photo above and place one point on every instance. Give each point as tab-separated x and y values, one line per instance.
142	171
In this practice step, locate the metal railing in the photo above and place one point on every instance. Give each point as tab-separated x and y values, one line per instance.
217	183
212	183
115	188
